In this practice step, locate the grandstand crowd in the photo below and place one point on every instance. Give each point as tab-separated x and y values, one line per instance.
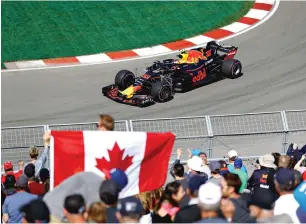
202	191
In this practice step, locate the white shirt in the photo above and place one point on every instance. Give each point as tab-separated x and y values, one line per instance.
286	204
146	219
205	169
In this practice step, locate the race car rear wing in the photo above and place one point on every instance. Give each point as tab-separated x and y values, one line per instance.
213	45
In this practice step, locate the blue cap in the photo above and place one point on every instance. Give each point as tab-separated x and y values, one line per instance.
130	206
195	152
119	177
214	165
284	176
300	195
238	163
195	182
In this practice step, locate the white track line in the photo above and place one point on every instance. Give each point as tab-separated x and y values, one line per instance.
277	2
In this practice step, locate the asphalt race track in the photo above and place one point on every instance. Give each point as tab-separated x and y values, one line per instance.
274	65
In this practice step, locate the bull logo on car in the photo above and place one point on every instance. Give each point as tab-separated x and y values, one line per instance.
192	57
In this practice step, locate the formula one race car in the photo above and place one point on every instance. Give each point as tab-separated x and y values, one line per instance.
162	79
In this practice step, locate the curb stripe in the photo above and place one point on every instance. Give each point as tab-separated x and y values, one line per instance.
260	9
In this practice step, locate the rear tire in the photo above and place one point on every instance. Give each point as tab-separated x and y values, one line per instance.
231	69
161	91
124	79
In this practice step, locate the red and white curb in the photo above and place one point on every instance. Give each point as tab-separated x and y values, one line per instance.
260	10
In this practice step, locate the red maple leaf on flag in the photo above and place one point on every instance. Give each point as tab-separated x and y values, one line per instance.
116	161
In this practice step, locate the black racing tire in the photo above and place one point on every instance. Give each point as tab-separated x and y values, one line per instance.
124	79
161	91
231	68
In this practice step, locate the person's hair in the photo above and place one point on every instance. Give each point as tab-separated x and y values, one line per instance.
276	156
178	170
232	158
297	178
10	181
97	213
233	180
44	175
149	199
29	170
285	187
107	122
75	204
34	151
171	189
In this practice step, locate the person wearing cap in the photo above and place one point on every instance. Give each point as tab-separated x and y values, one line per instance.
13	202
191	212
75	208
195	167
286	203
35	212
232	155
209	201
215	168
261	206
129	210
264	176
242	175
9	169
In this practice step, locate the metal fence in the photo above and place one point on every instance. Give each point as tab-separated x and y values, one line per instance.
250	134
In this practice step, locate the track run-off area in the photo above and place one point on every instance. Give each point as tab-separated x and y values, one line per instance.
272	56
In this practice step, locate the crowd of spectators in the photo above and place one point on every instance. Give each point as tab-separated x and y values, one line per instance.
202	191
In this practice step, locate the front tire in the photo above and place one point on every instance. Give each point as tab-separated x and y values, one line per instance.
124	79
161	91
231	69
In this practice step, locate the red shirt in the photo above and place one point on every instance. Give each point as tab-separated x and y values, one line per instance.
17	174
36	188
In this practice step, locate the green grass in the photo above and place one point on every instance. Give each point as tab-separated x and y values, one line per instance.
35	30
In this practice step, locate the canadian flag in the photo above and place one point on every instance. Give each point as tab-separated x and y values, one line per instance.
143	156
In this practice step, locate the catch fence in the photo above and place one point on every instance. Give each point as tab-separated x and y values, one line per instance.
250	134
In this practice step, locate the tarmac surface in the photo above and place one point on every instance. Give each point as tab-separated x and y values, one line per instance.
274	67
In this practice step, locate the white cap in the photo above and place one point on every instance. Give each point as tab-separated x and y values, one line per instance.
232	153
195	163
210	194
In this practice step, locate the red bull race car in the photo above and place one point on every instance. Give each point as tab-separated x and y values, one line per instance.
162	80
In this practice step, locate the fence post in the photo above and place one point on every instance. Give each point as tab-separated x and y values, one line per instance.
210	136
127	125
131	125
46	128
286	130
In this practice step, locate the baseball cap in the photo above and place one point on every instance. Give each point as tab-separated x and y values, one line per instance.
195	152
232	153
22	181
300	195
284	176
214	165
210	196
284	161
195	182
8	165
195	163
36	212
130	206
119	177
238	163
262	198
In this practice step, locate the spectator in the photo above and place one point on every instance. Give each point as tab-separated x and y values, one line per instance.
261	207
191	212
106	123
168	205
232	155
9	169
35	212
178	171
231	185
242	175
286	203
284	161
301	165
297	178
34	187
300	196
177	161
96	213
75	208
264	177
13	202
149	200
215	167
294	152
224	168
205	168
44	177
9	185
129	210
276	156
195	167
210	196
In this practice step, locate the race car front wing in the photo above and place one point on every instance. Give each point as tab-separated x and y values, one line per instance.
112	92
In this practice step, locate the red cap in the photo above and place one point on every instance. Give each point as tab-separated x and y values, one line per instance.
8	165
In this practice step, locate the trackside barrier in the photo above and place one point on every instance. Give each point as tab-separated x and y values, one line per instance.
216	134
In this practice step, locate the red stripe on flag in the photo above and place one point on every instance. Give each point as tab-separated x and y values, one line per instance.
69	154
154	166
